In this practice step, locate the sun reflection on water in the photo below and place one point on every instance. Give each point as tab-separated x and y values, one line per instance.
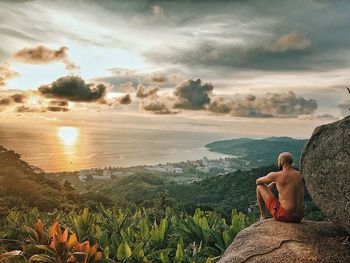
68	138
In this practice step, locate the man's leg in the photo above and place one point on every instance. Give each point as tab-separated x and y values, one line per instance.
262	194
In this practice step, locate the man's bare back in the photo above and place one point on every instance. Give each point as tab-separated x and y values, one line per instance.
290	186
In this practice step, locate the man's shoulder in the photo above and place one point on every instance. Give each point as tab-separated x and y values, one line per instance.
275	174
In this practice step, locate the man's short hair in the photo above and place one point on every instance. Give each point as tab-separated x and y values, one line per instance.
286	158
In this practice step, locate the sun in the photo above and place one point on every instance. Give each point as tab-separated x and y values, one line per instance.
68	135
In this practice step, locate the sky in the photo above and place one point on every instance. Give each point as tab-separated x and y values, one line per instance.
228	62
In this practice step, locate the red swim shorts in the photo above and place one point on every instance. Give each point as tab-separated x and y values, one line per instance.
281	214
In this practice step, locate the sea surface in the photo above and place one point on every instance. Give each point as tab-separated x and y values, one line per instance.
68	148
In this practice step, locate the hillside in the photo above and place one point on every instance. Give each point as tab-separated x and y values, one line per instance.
232	190
23	186
259	152
220	192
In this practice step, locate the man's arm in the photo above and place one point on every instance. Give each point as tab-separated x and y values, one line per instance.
271	177
271	185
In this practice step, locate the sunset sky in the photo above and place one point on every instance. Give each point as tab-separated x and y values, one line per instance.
242	67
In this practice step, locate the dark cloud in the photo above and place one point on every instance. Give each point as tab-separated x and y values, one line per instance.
157	107
158	78
58	105
125	99
144	92
213	55
19	97
14	98
286	104
5	101
6	73
44	55
23	108
57	109
192	94
289	35
74	88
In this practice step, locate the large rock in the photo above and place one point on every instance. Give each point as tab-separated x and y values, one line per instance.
325	166
271	241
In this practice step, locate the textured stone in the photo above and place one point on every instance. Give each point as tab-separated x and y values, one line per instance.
272	241
325	167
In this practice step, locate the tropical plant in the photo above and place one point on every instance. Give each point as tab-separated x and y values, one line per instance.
55	246
128	236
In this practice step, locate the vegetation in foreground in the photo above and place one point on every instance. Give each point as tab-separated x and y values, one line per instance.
111	234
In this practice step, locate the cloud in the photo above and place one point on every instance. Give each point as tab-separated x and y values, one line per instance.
344	107
125	87
326	116
158	78
290	41
6	73
286	104
14	98
222	58
157	10
58	105
191	94
74	88
157	107
125	99
145	92
23	108
44	55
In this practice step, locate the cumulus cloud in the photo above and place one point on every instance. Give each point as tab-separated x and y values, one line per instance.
145	92
6	73
286	104
14	98
23	108
290	41
58	105
192	94
125	99
126	87
158	78
74	88
157	107
44	55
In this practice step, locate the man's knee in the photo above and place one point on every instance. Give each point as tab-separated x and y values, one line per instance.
260	187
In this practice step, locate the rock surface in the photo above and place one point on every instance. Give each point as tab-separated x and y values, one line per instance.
325	166
272	241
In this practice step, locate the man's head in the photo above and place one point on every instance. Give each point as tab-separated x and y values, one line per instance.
285	159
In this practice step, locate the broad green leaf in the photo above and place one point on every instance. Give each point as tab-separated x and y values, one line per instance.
179	255
164	257
123	251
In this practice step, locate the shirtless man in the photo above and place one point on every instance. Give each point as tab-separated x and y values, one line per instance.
290	186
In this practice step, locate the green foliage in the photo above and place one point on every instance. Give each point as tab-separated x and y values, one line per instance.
125	235
259	152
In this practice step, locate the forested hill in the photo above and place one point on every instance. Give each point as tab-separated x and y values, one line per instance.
231	190
260	151
23	186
